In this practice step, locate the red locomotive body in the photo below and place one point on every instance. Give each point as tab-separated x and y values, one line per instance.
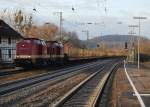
55	51
35	52
31	51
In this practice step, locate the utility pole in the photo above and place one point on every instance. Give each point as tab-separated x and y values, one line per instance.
132	48
60	24
87	34
139	18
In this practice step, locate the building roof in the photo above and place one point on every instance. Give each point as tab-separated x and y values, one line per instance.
6	30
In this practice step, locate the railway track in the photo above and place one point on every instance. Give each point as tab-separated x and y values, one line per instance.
22	83
10	72
9	75
45	92
89	91
39	85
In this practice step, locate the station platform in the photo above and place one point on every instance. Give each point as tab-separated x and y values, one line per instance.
131	87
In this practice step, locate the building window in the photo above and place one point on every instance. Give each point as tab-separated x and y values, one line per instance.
9	40
9	53
0	54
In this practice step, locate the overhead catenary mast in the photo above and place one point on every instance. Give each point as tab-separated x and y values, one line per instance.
60	24
139	19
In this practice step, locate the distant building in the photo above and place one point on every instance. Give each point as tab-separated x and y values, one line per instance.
8	39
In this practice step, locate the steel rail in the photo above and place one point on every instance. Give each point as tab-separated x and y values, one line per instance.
98	93
39	75
10	87
7	72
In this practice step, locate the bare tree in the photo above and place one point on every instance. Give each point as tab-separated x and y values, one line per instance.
46	31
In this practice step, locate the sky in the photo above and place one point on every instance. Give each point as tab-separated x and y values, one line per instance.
105	15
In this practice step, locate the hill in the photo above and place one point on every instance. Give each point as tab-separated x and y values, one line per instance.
114	41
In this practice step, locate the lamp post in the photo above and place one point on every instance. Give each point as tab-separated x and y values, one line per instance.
139	18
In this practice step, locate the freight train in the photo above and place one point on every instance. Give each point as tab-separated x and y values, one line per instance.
32	52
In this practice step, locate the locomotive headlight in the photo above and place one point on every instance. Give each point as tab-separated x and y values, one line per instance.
29	56
26	56
23	56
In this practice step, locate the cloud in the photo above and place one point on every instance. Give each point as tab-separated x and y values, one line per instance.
85	11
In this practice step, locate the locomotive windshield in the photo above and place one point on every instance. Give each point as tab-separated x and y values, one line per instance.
27	41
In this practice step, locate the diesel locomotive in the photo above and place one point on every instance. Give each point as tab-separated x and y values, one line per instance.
36	52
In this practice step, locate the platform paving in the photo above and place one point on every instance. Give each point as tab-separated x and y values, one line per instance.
122	92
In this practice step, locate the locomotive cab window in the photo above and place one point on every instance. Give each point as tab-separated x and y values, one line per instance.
27	41
36	42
